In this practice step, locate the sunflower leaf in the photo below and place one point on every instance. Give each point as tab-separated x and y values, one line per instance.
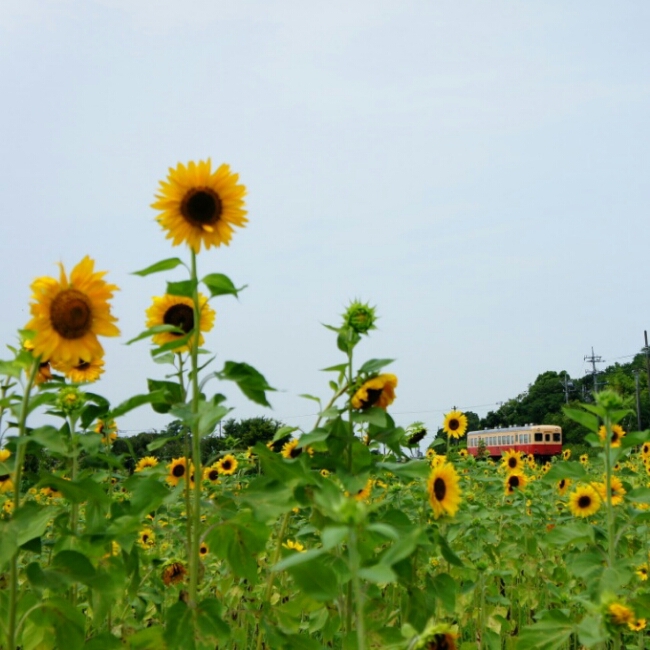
219	284
138	400
172	345
163	265
251	382
156	329
373	365
184	288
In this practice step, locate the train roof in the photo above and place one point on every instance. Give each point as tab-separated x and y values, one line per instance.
527	427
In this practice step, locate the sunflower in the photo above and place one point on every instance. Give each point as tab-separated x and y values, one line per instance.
83	371
584	501
617	434
563	485
364	493
584	459
642	572
198	206
637	625
146	538
146	463
108	430
616	488
620	614
437	637
174	573
455	424
515	481
443	490
566	454
203	549
378	391
6	484
463	453
291	450
430	453
227	465
645	450
212	474
179	311
512	461
69	315
294	546
5	454
324	473
177	471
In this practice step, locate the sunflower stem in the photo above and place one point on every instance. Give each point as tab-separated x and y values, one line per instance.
196	442
356	587
18	471
608	491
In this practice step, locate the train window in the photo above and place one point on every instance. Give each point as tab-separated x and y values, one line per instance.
556	437
548	437
539	437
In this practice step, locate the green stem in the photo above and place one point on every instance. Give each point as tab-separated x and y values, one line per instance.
356	587
196	443
608	492
350	413
18	473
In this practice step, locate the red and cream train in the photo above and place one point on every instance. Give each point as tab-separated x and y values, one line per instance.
542	440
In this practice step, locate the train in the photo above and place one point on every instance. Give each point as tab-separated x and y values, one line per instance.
540	440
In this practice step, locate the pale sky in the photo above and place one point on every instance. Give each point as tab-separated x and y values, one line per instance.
477	170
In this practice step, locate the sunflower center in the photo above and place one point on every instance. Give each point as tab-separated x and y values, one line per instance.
512	462
201	206
4	478
439	642
83	365
513	481
226	465
178	471
373	397
562	484
295	452
453	424
614	436
439	489
70	314
584	501
181	316
213	475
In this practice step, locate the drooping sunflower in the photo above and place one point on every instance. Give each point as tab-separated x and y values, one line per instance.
437	637
620	614
174	573
291	450
179	311
145	463
378	391
227	465
177	471
198	206
616	488
512	461
515	481
69	314
617	434
82	372
455	424
444	491
584	501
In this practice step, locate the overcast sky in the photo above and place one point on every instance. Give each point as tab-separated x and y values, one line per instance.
477	170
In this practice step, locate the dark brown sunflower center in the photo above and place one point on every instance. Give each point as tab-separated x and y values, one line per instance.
512	462
178	471
373	397
562	484
213	475
453	424
295	452
201	206
584	501
439	489
513	481
614	436
145	538
181	316
82	365
4	478
440	642
70	314
203	550
226	465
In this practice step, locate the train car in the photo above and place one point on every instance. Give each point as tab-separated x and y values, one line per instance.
541	440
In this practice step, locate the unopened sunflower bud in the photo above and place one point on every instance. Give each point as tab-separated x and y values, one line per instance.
70	399
360	317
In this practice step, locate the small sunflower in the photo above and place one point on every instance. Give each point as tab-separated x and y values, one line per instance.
512	461
5	455
179	311
212	474
108	430
515	481
437	637
378	391
563	485
69	314
198	206
443	490
584	501
146	538
584	459
146	463
6	484
620	614
203	549
83	372
637	625
616	488
566	454
291	449
177	471
463	453
324	473
430	453
645	450
617	434
455	424
642	572
294	546
174	573
364	493
227	465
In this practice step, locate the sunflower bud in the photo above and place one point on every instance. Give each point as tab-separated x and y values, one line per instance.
70	399
609	399
360	317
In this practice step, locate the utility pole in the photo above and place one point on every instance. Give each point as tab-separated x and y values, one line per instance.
568	386
646	349
593	360
638	399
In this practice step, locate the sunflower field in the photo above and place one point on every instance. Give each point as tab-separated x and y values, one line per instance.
331	537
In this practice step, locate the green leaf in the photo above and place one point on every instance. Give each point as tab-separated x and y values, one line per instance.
374	365
317	579
446	589
251	382
332	536
209	415
137	400
50	438
297	558
411	469
171	391
156	329
184	288
378	573
635	438
570	533
160	442
219	284
374	415
640	495
587	420
564	469
318	435
283	432
163	265
447	553
75	566
341	367
311	397
551	632
591	632
401	549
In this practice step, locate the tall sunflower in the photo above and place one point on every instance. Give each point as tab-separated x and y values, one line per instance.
455	424
443	490
378	391
198	206
512	461
179	311
69	314
584	501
